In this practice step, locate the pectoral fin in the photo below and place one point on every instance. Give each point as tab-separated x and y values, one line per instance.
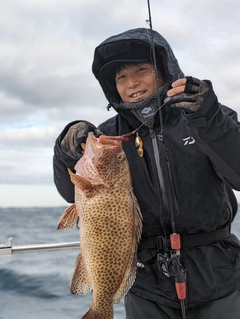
68	218
79	181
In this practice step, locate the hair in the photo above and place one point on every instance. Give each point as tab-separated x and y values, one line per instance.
128	64
123	66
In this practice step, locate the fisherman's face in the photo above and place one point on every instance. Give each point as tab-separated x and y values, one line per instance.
136	82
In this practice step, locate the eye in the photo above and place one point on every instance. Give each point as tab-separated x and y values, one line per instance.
142	69
120	77
121	157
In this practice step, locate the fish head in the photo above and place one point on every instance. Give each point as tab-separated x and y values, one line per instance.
104	161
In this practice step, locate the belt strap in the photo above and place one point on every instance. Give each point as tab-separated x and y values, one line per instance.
161	243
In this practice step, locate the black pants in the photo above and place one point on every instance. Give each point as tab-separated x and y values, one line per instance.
225	308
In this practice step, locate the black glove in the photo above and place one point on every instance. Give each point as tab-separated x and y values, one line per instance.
194	94
76	135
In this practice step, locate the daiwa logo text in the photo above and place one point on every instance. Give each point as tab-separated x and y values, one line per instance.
189	140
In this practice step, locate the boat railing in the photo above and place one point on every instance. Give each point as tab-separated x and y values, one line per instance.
6	250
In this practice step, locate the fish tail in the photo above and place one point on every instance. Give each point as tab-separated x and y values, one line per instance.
102	313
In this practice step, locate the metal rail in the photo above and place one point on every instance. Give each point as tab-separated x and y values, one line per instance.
8	249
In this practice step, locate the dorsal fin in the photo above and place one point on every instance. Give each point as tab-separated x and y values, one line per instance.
131	267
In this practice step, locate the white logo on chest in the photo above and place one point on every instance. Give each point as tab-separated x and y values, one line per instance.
189	140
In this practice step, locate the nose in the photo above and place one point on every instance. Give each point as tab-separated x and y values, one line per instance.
133	81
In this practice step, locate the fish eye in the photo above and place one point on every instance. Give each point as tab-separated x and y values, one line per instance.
121	157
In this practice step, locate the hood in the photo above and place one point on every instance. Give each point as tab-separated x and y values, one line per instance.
122	43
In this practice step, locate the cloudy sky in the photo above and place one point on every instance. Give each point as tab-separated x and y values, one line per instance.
46	54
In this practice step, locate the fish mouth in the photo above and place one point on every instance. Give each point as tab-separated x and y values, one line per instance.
92	145
103	141
96	153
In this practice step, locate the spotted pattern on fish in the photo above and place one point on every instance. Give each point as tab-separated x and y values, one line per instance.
110	225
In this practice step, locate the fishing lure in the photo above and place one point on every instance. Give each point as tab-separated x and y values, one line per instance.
139	145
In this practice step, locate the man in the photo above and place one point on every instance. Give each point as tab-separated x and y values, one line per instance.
182	178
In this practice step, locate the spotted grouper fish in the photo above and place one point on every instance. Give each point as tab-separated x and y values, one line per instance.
110	225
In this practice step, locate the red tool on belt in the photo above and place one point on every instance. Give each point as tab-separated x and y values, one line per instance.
178	272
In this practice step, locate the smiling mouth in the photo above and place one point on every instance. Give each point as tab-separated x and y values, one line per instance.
137	94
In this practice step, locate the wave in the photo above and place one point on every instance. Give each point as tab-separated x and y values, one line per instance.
40	286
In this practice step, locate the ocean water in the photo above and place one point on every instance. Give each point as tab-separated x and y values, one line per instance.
35	285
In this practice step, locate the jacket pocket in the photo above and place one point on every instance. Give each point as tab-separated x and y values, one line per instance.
232	243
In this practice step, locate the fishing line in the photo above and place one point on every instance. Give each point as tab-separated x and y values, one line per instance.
138	140
138	128
149	21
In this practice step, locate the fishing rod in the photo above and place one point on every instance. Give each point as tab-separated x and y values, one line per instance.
172	260
149	21
6	250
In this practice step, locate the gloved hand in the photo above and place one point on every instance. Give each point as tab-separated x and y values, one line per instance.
73	142
187	94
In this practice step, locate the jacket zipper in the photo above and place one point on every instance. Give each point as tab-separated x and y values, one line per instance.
173	205
159	170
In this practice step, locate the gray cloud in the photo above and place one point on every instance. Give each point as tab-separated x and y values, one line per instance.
45	67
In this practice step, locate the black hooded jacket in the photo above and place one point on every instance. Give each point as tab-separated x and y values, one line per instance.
187	172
